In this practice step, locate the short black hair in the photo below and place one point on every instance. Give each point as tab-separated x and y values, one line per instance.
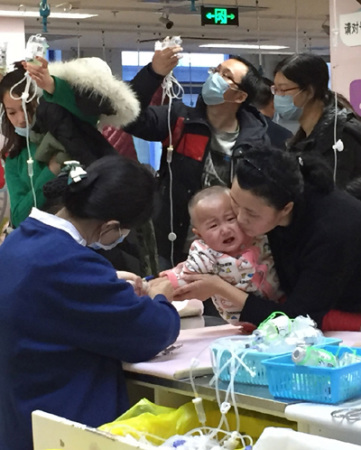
251	81
264	94
281	177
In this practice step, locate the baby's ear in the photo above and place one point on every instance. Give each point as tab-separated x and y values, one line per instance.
195	231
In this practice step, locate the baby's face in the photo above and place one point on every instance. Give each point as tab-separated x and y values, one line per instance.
216	223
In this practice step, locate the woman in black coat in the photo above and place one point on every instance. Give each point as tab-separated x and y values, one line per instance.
314	234
328	124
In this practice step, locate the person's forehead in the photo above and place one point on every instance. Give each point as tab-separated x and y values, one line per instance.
246	199
13	103
240	196
281	80
211	205
235	66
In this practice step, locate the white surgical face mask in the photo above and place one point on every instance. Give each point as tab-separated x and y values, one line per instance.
98	245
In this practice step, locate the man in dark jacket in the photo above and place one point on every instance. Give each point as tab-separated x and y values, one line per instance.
204	143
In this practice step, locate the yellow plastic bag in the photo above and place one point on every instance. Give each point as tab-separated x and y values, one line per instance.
153	420
159	423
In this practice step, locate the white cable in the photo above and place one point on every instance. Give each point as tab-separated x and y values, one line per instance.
171	89
30	161
24	100
297	25
194	363
334	140
338	144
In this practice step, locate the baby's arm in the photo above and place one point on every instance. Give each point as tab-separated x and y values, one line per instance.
200	260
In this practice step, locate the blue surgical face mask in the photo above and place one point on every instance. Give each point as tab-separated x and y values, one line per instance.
98	245
285	107
22	131
26	130
213	89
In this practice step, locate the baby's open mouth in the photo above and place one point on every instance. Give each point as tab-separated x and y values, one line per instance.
228	241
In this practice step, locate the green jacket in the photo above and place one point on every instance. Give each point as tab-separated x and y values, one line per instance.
18	181
19	184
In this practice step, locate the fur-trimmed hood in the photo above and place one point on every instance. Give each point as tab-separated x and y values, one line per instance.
115	101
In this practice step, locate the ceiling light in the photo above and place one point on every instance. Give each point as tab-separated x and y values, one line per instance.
245	46
53	15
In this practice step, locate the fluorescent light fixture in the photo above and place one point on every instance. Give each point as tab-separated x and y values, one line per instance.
53	15
245	46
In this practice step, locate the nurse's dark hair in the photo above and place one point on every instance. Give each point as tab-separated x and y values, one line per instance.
251	80
114	188
281	177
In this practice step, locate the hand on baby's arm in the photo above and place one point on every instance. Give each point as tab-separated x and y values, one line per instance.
199	286
140	286
162	286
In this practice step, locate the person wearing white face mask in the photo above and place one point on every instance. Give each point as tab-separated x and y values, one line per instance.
332	129
207	139
67	321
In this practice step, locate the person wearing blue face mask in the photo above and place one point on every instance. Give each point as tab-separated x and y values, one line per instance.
41	133
207	140
328	125
16	129
67	320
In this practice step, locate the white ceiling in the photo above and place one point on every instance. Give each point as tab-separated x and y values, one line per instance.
126	24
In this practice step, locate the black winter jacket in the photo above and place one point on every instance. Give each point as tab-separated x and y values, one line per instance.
321	140
82	141
317	258
191	135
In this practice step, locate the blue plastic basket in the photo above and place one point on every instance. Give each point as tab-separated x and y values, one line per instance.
288	380
231	362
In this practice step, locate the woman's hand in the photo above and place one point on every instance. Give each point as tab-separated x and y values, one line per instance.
54	166
199	286
40	74
205	286
140	287
161	286
165	60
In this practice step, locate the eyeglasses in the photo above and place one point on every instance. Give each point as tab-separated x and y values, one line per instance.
276	91
225	76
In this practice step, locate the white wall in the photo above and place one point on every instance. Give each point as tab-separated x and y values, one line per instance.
345	59
12	31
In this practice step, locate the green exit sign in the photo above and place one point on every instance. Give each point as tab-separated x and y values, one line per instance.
219	16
